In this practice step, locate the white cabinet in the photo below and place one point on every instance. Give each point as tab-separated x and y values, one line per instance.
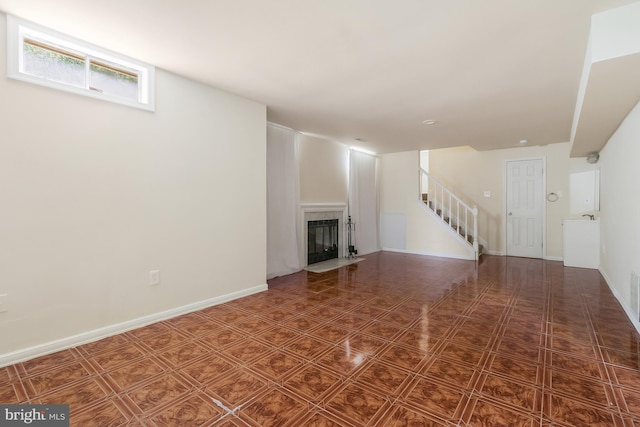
581	241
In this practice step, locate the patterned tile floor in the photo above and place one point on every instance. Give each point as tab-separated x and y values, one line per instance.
394	340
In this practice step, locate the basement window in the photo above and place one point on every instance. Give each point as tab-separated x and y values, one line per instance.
41	56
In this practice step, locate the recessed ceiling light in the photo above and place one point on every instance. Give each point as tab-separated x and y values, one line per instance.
429	122
523	141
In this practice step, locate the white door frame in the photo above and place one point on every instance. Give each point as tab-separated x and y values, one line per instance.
544	201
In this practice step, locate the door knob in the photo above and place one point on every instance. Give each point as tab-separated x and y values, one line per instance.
509	214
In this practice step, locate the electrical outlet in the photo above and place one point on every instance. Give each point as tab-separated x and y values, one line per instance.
3	303
154	277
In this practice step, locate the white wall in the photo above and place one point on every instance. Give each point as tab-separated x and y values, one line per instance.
405	225
620	207
95	195
324	170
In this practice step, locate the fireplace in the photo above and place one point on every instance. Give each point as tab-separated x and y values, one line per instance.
310	212
322	240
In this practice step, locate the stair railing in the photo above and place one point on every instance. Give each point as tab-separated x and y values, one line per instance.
451	210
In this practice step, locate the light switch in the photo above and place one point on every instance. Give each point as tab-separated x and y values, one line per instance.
487	193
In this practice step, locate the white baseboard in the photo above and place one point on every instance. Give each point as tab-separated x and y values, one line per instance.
118	328
553	258
436	254
497	253
615	293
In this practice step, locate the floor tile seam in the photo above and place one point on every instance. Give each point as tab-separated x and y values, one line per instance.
600	350
386	412
388	396
517	380
199	334
518	357
504	337
374	352
288	347
498	334
132	333
444	344
299	363
626	387
391	339
319	363
323	412
396	324
102	383
623	406
440	418
156	409
571	395
190	323
485	375
475	397
116	401
94	353
243	363
116	389
32	390
305	330
470	308
19	391
318	402
77	409
434	349
225	376
317	314
425	361
581	372
379	414
12	373
547	344
331	344
594	358
601	341
351	327
157	350
20	369
465	389
222	348
27	376
149	380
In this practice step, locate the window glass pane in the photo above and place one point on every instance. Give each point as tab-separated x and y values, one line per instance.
53	65
113	80
41	56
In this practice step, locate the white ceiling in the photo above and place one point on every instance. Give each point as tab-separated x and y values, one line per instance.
491	72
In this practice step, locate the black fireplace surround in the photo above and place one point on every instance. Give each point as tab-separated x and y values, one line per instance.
322	240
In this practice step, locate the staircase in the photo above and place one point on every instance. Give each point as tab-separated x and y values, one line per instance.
452	212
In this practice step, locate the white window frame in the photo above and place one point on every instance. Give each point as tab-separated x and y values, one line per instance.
18	28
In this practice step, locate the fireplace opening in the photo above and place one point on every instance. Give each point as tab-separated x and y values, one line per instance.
322	240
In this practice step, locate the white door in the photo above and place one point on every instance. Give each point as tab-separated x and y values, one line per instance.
525	203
